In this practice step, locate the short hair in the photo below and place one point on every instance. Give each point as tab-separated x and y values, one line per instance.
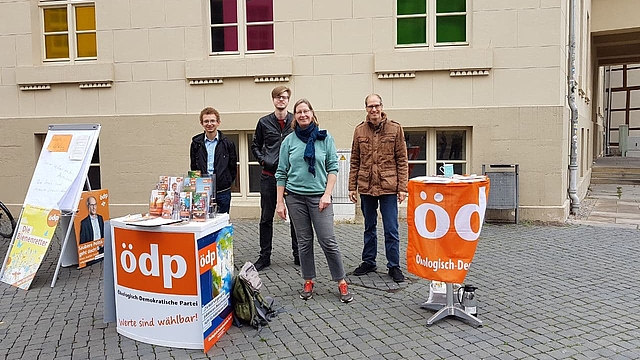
91	197
209	111
279	90
294	123
370	95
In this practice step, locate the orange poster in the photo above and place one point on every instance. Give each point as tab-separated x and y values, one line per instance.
60	143
93	211
444	221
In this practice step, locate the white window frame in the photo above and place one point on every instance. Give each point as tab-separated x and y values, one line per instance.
244	154
71	32
431	25
432	162
241	24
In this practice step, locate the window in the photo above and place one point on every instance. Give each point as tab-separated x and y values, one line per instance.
248	179
69	29
94	169
241	25
428	149
417	19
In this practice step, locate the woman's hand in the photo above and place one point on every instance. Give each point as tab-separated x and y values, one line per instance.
325	201
281	210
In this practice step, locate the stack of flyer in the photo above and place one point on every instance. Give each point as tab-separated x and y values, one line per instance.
183	198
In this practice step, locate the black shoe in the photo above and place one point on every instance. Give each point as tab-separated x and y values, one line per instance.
296	260
364	269
262	263
396	274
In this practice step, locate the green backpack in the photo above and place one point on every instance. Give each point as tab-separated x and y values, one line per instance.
249	305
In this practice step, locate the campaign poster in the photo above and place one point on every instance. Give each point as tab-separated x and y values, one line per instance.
93	211
156	287
444	221
215	261
32	240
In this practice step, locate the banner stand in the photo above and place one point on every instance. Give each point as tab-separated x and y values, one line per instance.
72	215
449	309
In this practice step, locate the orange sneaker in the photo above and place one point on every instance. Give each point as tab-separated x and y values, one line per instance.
307	290
345	295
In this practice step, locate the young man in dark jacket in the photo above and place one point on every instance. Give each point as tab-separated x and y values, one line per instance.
213	153
270	131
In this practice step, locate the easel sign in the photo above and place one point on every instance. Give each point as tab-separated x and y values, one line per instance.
57	183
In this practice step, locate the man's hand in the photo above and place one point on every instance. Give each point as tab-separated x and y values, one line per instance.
401	196
352	196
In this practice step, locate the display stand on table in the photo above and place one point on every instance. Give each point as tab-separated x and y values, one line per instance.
442	249
172	283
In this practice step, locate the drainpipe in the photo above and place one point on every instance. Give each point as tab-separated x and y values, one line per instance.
573	163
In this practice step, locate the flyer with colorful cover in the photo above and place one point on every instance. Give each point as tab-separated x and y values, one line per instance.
27	251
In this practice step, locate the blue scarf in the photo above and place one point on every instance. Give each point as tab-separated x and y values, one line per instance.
309	136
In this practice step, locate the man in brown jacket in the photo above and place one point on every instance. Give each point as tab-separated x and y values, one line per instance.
379	172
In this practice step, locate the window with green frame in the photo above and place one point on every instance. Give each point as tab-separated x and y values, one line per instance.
414	16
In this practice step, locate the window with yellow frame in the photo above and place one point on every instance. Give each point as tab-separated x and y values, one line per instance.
69	30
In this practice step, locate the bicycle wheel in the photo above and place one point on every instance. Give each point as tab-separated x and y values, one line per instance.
7	223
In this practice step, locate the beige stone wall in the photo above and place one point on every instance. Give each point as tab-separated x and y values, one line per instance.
331	52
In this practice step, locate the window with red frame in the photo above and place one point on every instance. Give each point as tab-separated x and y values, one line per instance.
241	24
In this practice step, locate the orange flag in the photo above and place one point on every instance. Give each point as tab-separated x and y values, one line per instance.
444	221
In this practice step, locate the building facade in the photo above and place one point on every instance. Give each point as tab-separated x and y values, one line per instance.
472	83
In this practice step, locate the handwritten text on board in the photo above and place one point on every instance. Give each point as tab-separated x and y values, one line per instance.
60	143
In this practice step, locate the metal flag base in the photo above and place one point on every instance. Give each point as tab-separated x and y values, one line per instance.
449	309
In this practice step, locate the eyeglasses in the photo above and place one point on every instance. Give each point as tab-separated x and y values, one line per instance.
93	204
281	97
305	112
210	121
374	106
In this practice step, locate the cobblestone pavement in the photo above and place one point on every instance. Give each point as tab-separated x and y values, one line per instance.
545	292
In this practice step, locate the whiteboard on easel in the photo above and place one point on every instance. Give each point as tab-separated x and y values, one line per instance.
62	167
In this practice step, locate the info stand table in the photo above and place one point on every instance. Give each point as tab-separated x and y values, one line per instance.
445	217
173	282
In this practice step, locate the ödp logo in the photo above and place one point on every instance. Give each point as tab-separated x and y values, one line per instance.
156	262
462	217
53	217
210	258
150	264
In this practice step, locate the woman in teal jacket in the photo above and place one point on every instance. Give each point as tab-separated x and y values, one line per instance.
306	175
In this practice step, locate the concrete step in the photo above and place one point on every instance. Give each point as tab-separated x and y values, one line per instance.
615	170
615	180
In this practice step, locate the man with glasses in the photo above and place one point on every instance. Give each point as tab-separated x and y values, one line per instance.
379	172
270	131
215	154
92	228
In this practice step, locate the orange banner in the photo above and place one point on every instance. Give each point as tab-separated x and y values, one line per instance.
444	221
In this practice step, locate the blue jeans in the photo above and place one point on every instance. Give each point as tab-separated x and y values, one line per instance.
307	217
223	199
389	212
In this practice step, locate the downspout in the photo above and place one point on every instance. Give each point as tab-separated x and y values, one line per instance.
573	163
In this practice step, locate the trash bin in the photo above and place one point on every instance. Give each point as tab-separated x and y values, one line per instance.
504	180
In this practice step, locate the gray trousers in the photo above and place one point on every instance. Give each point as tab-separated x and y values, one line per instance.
306	216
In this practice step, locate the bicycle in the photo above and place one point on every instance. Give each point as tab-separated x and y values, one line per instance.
7	223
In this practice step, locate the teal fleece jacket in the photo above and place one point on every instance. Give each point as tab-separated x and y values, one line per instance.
293	171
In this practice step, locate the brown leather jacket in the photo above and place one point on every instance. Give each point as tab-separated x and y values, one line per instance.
379	164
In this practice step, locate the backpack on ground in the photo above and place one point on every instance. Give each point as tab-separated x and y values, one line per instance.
249	305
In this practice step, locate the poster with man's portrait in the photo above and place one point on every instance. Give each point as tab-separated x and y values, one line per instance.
93	211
